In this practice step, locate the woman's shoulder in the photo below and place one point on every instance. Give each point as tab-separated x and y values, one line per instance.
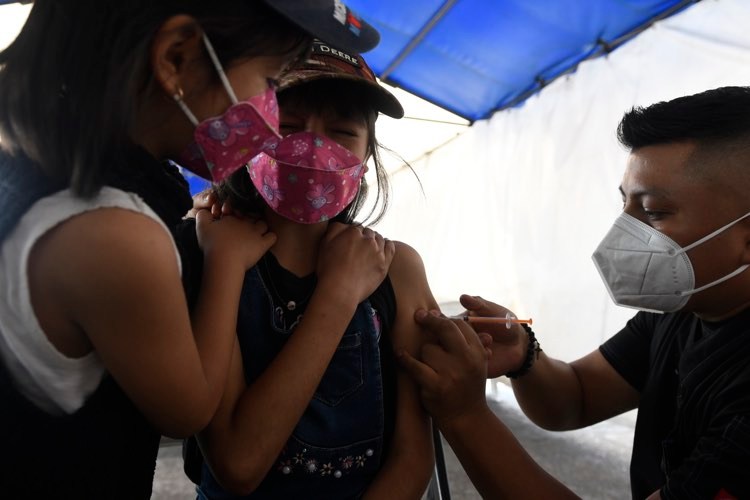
110	218
110	211
120	234
61	206
65	204
113	230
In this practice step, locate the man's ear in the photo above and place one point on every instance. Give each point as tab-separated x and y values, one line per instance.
177	43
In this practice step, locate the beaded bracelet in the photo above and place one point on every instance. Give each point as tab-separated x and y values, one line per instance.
532	348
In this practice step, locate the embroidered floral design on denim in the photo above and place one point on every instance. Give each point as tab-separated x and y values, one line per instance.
311	466
285	467
347	462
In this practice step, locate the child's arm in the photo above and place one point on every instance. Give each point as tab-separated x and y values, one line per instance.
409	464
254	422
110	278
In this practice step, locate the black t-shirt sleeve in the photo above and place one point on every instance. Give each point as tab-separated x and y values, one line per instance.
629	350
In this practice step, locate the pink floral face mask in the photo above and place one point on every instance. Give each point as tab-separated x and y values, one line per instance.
225	143
306	177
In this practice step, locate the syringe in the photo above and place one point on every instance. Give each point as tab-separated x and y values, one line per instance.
508	320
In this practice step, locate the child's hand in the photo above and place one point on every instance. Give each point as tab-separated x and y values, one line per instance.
353	261
207	199
238	240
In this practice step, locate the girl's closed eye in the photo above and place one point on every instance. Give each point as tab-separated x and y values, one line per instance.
347	127
350	132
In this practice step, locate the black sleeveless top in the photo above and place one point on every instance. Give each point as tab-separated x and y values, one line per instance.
106	449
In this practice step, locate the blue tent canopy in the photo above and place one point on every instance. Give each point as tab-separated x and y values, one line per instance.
474	57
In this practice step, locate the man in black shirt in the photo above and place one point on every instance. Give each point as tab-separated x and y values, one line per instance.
680	252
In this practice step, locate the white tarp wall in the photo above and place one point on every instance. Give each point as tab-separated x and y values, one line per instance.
514	207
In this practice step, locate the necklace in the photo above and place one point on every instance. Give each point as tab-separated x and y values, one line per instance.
291	305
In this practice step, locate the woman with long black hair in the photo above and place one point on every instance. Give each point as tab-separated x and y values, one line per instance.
98	354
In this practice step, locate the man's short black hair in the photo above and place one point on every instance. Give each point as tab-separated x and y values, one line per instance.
712	117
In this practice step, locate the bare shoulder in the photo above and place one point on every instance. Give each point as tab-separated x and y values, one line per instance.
406	261
113	223
103	247
106	233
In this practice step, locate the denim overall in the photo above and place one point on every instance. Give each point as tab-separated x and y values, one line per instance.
335	450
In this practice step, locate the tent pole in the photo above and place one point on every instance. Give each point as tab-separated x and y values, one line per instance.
446	7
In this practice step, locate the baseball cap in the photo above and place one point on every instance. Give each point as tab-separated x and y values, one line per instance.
327	62
329	20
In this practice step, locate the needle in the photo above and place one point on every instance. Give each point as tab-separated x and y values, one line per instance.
494	320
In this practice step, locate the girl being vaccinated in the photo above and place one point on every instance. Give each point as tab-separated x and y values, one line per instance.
314	405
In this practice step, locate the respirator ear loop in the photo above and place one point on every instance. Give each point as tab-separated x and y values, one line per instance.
219	69
731	275
178	98
716	282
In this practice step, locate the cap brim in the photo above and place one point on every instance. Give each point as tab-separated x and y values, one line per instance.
331	21
385	102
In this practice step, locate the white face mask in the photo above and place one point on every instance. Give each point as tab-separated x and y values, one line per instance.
645	269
